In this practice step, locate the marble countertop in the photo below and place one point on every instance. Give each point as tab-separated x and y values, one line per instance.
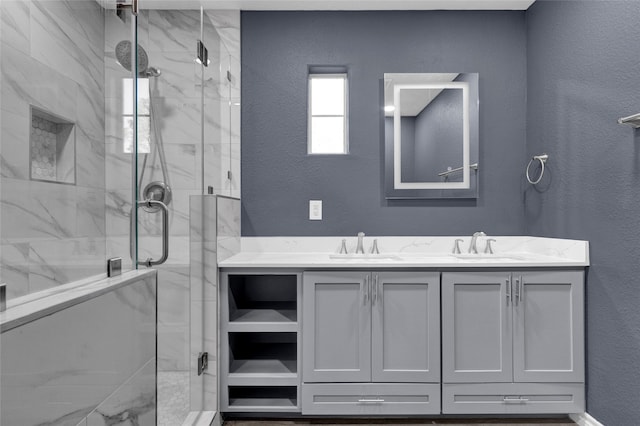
407	252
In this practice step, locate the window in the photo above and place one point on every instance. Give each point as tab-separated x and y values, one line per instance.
328	127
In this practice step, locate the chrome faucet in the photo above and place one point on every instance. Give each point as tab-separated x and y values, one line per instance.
472	247
360	247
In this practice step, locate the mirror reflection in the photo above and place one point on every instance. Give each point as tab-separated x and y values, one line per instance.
431	135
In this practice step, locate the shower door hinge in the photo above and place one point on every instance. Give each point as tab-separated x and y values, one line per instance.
114	267
203	362
202	54
121	6
3	297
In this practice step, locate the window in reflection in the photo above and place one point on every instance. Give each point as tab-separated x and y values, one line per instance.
144	115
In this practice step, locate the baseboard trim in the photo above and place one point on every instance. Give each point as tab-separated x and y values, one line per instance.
584	419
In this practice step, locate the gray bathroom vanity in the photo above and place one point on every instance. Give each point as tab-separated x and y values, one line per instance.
410	334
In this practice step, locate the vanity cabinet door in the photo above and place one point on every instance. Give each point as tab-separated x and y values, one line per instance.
336	327
476	327
405	327
549	327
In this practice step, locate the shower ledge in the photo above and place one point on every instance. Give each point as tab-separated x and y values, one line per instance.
37	305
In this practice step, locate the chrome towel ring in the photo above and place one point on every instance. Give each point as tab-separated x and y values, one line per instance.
542	159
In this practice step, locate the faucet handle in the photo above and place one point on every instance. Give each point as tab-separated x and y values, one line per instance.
488	249
360	246
374	247
343	247
456	246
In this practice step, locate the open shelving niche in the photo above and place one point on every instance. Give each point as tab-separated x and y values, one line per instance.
260	342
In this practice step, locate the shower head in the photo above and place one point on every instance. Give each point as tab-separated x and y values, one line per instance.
123	56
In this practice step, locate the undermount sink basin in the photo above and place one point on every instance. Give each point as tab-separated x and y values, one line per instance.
485	256
361	257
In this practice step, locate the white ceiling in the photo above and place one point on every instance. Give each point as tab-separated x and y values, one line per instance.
332	4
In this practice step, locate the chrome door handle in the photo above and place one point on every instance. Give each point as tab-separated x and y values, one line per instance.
366	289
521	288
508	284
517	295
370	401
515	400
375	289
165	232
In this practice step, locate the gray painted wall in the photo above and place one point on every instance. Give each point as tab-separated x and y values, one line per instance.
279	178
583	74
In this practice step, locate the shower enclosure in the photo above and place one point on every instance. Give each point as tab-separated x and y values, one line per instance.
112	112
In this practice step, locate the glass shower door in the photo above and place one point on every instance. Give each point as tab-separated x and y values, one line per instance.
183	137
169	112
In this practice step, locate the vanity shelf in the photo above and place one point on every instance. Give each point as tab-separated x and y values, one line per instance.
271	354
263	398
266	301
260	341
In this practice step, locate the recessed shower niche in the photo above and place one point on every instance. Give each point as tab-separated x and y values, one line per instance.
52	152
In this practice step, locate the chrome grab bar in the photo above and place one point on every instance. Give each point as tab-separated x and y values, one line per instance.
165	231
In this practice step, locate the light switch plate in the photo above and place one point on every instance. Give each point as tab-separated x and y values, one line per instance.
315	209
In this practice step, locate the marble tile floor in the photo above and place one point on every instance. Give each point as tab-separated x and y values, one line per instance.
405	422
173	397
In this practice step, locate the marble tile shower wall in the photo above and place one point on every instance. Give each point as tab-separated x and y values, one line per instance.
59	56
169	38
92	363
52	59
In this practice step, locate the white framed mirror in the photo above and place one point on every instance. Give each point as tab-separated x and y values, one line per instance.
431	135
